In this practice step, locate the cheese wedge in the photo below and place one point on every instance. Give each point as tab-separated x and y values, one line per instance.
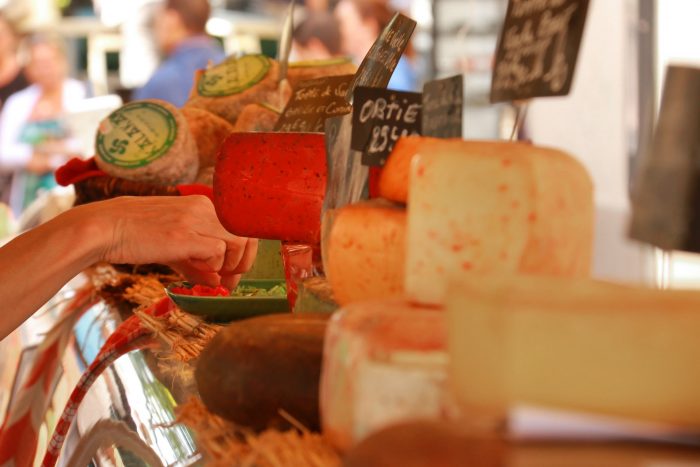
494	207
366	251
574	344
383	361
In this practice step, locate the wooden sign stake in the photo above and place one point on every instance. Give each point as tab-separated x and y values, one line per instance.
521	112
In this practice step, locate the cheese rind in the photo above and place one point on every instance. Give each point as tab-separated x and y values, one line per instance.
366	251
574	344
209	132
384	361
493	207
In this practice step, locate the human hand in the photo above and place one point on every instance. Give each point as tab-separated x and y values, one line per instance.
180	231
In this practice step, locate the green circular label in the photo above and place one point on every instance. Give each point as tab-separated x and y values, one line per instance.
233	76
136	135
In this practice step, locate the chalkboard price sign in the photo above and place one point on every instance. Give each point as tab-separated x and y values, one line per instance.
443	107
379	118
538	49
381	60
313	102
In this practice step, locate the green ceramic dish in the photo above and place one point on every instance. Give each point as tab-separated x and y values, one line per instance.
223	309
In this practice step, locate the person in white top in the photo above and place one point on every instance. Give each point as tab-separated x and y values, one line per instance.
33	139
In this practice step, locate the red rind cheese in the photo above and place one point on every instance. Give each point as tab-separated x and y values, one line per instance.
366	251
272	185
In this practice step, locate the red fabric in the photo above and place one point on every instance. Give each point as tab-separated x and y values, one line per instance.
76	170
374	173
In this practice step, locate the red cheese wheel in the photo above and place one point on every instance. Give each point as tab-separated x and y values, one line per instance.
272	185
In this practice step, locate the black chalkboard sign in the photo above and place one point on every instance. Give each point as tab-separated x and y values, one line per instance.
379	118
538	49
381	60
443	107
313	102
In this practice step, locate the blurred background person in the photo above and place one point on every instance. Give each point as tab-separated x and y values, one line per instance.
316	37
34	140
361	21
179	27
12	79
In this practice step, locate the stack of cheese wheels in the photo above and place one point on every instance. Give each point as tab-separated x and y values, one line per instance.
227	88
574	344
472	206
147	141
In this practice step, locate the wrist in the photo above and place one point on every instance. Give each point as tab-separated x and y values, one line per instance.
92	235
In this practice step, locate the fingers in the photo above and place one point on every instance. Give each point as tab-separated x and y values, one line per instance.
230	281
196	275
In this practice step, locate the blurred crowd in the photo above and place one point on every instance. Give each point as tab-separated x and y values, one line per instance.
36	89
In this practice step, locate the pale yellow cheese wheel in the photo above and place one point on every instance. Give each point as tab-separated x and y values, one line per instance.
366	251
490	207
574	344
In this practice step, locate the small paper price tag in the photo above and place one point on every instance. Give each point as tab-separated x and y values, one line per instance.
313	102
379	118
443	103
538	49
381	60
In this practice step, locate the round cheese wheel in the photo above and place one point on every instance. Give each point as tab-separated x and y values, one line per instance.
209	132
257	117
366	251
147	141
227	88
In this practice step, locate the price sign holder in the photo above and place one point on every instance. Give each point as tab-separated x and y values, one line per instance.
313	102
380	117
443	107
381	60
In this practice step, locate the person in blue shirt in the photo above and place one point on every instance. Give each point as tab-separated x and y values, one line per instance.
179	28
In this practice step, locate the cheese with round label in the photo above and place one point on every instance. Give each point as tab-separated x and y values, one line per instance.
209	132
384	361
366	250
228	87
493	207
147	141
574	344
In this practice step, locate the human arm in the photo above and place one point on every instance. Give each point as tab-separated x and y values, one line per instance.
180	231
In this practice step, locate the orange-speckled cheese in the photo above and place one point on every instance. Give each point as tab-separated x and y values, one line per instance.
384	361
393	182
366	251
493	207
574	344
